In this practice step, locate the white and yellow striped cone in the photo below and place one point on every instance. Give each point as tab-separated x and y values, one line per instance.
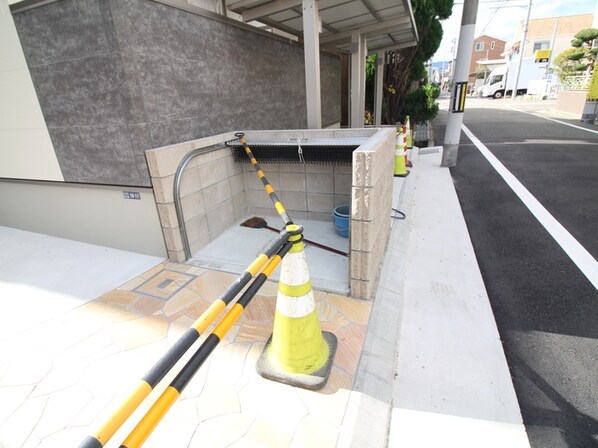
298	352
408	163
400	149
408	131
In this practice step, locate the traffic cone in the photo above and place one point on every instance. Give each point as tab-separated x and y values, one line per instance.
400	151
406	137
298	353
409	136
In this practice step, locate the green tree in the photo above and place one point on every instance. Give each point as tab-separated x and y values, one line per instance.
405	69
370	83
582	57
421	103
564	65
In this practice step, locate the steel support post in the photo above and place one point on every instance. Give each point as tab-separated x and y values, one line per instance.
379	85
311	46
357	79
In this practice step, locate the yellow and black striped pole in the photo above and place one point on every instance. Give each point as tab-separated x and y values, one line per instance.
273	196
151	419
163	366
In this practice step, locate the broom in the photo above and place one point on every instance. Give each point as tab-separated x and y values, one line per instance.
260	223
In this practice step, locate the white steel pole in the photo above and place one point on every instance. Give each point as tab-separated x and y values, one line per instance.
311	48
356	116
362	61
379	82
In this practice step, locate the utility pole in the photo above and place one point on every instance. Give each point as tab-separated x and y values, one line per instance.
521	49
459	87
454	44
556	26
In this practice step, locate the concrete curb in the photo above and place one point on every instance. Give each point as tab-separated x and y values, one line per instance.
367	417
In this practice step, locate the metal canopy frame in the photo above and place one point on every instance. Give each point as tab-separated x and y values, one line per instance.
357	27
387	24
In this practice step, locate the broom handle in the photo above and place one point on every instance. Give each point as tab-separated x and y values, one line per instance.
273	196
313	243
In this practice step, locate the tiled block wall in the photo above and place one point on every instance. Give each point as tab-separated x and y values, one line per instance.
212	192
306	191
370	210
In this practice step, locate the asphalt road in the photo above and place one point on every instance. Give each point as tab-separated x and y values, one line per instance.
545	308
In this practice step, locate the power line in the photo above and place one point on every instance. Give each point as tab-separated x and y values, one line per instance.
492	16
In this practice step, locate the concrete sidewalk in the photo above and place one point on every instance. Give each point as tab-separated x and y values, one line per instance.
433	372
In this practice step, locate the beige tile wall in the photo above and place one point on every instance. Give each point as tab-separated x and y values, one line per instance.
370	210
212	192
306	191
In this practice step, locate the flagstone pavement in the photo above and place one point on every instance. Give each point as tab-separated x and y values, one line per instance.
62	378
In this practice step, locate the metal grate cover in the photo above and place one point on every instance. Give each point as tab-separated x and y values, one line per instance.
321	151
421	133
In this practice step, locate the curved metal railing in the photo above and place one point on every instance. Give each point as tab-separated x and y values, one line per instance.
178	206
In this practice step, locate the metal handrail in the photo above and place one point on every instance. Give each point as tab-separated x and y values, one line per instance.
177	193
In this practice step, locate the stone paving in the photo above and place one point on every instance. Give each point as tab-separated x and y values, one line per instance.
61	379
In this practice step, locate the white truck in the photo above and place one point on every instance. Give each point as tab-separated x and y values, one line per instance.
495	83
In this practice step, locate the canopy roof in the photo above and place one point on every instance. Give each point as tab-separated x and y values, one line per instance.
387	24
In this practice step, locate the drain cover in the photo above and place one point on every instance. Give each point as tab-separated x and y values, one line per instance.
432	150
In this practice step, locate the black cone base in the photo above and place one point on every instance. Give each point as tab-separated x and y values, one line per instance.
313	381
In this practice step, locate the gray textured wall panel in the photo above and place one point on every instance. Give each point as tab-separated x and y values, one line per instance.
86	91
331	89
117	77
67	30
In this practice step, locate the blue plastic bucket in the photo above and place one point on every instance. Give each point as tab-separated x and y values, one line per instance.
341	219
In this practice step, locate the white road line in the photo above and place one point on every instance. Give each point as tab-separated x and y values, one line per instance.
578	254
556	121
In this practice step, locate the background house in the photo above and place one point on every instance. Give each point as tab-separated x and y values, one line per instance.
484	48
555	34
541	32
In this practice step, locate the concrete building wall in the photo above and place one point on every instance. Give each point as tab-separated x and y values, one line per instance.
26	151
541	30
90	213
571	101
117	77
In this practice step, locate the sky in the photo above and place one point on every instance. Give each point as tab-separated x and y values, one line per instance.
501	18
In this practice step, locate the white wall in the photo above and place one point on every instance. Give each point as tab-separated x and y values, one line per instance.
93	214
26	151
